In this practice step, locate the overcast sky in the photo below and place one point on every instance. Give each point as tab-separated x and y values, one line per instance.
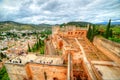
59	11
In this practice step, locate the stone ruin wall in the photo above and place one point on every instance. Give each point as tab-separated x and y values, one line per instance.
109	48
40	72
33	71
18	73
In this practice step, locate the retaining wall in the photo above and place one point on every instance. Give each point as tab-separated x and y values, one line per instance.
109	48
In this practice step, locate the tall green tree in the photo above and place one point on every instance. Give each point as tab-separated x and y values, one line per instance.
110	33
89	32
108	29
29	49
39	42
37	45
92	33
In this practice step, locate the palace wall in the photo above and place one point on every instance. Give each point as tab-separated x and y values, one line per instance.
47	72
34	71
16	72
109	48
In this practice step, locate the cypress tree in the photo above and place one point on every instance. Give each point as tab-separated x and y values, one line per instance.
92	33
39	42
108	29
29	49
110	33
37	36
88	33
37	45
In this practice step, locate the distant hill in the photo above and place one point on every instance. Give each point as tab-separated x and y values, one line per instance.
113	23
8	25
45	25
77	24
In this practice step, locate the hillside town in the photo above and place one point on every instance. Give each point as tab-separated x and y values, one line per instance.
14	43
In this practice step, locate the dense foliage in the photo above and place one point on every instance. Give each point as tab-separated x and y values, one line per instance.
92	31
4	74
109	31
39	45
77	24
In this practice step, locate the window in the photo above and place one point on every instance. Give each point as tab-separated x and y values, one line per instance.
82	33
68	32
55	78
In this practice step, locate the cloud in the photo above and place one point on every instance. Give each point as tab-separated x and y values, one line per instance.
59	11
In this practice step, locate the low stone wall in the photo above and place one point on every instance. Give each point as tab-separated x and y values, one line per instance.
109	48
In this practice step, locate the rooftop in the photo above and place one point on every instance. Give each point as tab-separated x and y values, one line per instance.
41	59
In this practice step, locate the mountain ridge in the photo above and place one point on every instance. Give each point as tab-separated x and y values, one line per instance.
8	25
